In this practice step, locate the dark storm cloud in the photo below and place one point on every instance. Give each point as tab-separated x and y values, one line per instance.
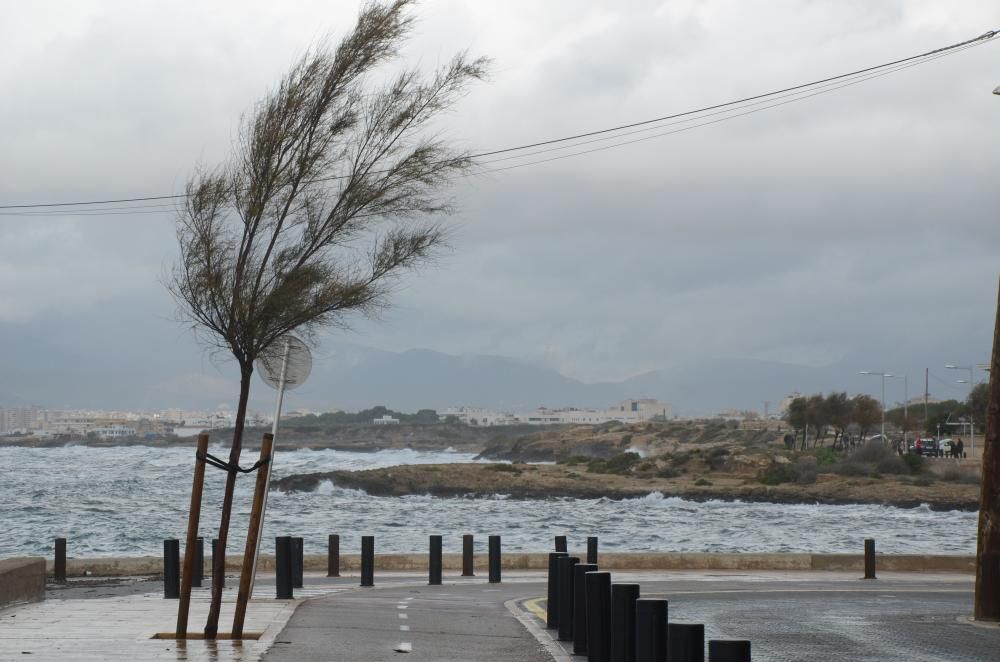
858	226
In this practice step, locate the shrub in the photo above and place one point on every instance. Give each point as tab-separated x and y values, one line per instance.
701	482
573	460
622	463
776	474
914	462
716	458
503	468
825	456
893	464
679	459
668	472
850	469
956	475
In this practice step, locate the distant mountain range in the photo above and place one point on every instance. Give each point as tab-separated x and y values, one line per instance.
357	377
121	373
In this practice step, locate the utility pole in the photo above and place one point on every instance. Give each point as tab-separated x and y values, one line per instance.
987	601
927	374
767	403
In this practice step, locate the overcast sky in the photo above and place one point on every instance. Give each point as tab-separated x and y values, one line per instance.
857	226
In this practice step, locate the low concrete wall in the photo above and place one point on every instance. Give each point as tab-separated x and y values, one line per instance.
152	566
22	580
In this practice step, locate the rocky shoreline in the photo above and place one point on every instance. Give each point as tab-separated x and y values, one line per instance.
555	481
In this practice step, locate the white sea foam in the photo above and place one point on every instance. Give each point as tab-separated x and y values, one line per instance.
126	500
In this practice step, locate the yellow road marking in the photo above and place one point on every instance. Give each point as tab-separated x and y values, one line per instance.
535	608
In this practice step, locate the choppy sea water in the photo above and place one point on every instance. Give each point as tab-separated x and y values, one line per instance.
125	501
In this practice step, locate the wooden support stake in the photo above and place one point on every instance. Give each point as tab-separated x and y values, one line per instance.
253	533
987	605
194	515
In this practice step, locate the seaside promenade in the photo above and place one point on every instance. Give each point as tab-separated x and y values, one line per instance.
799	615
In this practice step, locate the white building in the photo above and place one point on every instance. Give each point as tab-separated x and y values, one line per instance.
114	431
626	411
385	420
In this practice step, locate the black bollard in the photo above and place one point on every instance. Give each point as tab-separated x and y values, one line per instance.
869	558
728	651
298	561
685	642
434	563
651	630
564	570
283	568
368	560
60	561
333	556
171	569
598	616
467	558
561	543
494	559
198	572
552	597
580	571
221	579
623	597
592	550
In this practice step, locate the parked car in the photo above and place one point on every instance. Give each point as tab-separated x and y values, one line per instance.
927	447
947	447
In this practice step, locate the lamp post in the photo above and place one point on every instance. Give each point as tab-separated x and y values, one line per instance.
971	382
883	375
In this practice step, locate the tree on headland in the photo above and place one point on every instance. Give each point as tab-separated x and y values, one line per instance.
327	198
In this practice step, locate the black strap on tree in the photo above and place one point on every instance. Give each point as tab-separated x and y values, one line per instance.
210	459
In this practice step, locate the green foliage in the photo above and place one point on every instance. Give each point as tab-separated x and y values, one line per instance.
825	456
618	464
914	462
503	468
668	472
716	458
701	482
680	459
801	472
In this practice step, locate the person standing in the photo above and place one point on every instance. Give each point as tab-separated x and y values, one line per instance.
959	447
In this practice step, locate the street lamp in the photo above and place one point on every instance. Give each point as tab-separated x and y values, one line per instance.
883	375
971	383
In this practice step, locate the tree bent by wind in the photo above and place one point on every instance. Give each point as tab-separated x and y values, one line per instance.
328	197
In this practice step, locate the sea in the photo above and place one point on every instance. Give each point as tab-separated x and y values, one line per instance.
125	501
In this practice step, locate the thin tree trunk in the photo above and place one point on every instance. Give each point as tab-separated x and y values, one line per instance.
219	566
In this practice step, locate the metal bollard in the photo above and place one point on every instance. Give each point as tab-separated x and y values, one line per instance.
592	549
368	560
552	596
651	630
598	616
561	543
222	578
623	597
198	573
333	556
171	569
580	571
494	559
728	651
685	642
283	568
869	558
434	563
564	570
298	561
60	561
467	558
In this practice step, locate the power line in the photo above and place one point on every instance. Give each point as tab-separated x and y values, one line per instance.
792	94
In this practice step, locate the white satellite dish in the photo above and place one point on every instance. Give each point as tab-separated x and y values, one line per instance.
285	365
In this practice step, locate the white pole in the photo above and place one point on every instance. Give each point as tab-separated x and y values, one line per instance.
274	447
972	421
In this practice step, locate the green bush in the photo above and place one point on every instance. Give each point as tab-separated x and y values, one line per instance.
668	472
825	456
776	474
680	459
716	458
914	462
701	482
893	464
621	463
573	460
503	468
